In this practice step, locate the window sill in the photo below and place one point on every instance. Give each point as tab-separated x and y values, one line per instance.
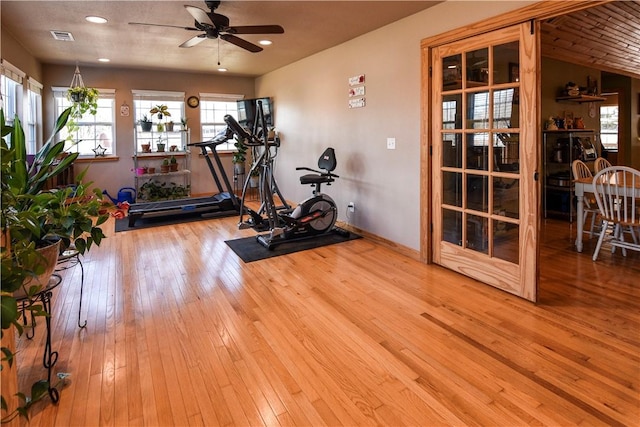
89	159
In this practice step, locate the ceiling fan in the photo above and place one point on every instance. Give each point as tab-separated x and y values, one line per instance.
215	25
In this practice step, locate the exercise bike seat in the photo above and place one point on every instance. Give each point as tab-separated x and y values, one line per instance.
327	162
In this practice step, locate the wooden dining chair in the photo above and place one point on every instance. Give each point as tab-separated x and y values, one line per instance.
601	163
614	189
581	170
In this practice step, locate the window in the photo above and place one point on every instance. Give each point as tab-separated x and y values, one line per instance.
11	89
609	127
33	118
93	131
213	108
143	102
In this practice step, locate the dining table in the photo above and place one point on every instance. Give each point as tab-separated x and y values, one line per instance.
584	186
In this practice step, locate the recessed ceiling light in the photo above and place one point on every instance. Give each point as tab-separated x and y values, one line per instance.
222	70
265	42
104	59
96	19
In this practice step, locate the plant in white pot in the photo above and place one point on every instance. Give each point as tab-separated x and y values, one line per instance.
31	216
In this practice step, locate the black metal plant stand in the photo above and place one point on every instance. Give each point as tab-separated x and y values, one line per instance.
49	357
69	259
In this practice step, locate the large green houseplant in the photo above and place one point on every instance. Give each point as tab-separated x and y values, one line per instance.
31	216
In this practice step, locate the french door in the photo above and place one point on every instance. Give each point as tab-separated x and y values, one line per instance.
484	137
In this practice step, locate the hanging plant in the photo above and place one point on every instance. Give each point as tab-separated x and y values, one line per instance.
161	110
83	100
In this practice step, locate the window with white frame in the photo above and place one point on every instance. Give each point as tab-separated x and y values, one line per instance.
33	118
94	131
213	108
11	88
143	102
609	127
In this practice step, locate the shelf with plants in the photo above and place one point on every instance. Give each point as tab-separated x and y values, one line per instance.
161	164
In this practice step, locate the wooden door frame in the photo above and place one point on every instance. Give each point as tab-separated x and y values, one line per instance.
533	13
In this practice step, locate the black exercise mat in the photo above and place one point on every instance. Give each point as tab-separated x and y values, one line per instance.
122	224
249	250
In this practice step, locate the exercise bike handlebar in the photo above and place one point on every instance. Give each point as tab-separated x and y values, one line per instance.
331	174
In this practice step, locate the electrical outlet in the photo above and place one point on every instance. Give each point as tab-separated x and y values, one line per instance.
351	207
391	143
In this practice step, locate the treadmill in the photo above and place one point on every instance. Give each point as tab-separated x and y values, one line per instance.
225	203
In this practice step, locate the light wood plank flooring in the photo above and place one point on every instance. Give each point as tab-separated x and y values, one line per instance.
181	332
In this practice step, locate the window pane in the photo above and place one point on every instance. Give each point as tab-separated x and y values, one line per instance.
452	150
506	243
452	188
477	233
478	193
477	151
478	67
452	226
93	131
478	110
506	63
212	119
506	152
452	111
452	72
609	127
506	197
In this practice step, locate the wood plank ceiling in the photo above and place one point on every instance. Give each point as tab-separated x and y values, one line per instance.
606	37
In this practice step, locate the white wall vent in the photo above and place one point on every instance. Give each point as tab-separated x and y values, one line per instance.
65	36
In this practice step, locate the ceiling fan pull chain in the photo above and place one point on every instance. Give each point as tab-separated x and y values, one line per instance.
218	51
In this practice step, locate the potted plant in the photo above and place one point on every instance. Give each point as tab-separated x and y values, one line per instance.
31	218
239	156
160	145
83	100
161	110
164	167
145	123
169	126
254	178
173	164
184	123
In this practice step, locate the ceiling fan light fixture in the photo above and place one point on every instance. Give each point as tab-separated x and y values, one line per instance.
222	70
104	60
96	19
265	42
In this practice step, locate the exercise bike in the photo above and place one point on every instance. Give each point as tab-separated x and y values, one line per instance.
313	217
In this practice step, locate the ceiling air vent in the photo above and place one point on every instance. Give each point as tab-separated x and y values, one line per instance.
65	36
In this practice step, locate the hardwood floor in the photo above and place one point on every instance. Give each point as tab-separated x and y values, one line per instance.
182	332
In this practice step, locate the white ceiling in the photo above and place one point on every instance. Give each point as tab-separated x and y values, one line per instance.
310	27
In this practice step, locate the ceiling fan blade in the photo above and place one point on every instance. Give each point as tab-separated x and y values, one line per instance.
163	25
220	21
198	14
256	29
194	40
241	43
